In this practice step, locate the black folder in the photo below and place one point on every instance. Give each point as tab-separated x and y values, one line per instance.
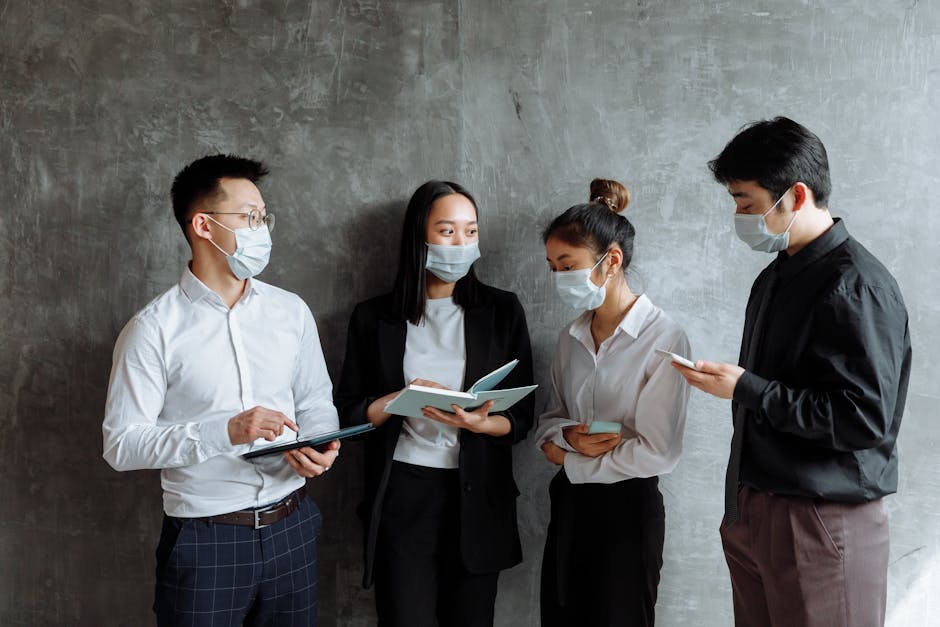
315	441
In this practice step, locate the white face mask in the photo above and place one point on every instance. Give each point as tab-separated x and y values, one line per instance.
451	263
577	290
252	250
752	230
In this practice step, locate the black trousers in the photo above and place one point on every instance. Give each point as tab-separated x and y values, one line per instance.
420	580
603	553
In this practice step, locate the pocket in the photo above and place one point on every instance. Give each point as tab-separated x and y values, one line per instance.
169	538
829	516
310	521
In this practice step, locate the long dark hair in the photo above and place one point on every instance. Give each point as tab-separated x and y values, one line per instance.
410	291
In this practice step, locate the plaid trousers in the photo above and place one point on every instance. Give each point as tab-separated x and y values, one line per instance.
214	575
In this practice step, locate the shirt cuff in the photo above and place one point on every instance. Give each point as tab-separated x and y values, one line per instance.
559	439
213	436
749	390
576	467
511	434
556	435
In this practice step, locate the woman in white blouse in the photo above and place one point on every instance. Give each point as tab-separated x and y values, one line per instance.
603	553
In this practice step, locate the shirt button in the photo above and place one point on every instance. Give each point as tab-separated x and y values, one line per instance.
467	487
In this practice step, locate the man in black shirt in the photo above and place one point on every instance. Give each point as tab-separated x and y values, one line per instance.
817	398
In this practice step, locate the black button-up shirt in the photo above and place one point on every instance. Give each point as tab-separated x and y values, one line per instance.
826	389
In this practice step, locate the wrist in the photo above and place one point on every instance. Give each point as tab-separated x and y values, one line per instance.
495	425
375	412
233	431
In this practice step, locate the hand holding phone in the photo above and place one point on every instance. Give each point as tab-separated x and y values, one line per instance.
603	426
679	359
592	445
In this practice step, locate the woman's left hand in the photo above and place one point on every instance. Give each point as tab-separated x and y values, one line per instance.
554	453
479	420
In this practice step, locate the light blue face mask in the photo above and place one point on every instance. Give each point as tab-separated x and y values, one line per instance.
451	263
752	230
252	250
577	290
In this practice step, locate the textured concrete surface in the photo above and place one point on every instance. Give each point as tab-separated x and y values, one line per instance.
355	103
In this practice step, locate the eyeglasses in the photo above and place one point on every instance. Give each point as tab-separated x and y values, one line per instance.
255	218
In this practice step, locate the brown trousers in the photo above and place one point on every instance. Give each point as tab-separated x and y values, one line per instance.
800	562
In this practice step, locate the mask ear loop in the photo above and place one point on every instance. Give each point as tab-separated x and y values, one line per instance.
213	241
792	220
599	261
764	215
607	278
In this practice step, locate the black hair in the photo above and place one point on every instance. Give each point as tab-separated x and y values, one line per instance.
598	224
410	290
776	154
200	181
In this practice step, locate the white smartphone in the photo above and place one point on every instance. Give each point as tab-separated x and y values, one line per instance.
679	359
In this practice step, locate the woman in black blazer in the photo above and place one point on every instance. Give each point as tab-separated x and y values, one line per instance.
440	499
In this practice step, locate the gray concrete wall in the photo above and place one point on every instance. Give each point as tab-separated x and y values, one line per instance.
355	103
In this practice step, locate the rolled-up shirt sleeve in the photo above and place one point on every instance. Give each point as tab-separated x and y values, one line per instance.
313	390
132	438
655	447
556	416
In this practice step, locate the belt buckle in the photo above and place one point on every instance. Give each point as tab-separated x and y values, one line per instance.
266	510
285	502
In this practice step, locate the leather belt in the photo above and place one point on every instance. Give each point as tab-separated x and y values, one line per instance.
265	516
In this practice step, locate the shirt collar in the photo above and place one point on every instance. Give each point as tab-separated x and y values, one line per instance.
788	267
196	290
632	323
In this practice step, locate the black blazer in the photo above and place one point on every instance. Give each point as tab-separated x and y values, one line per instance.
495	332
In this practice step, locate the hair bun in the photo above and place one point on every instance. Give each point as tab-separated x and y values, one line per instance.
610	193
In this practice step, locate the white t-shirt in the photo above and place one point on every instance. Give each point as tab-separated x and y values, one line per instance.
435	351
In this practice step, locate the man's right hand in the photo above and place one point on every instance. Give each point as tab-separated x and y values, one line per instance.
258	422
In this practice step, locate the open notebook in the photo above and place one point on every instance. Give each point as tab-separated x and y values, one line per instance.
413	398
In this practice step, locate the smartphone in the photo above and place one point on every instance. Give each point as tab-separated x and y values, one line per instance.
679	359
603	426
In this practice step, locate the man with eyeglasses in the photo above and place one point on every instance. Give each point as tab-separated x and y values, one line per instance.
218	364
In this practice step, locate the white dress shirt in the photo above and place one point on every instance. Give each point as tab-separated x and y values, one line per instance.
435	350
624	381
185	365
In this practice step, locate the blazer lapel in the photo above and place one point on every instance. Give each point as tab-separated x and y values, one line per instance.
478	326
392	352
